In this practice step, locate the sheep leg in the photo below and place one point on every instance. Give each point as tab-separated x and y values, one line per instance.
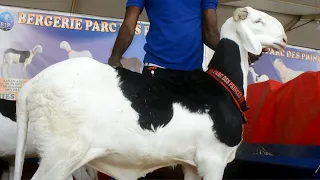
5	175
70	178
115	172
56	168
59	163
2	69
212	168
212	160
81	174
92	173
190	173
38	175
11	169
77	174
9	70
24	70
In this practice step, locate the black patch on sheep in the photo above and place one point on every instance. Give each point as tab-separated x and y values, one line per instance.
8	109
23	54
153	98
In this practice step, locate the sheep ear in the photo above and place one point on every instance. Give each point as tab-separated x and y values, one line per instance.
249	40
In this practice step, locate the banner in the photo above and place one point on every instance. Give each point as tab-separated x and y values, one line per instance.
283	122
33	40
285	65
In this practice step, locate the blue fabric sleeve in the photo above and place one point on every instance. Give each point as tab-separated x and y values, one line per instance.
139	3
209	4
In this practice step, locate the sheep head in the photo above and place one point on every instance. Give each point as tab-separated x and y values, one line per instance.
65	45
254	30
37	49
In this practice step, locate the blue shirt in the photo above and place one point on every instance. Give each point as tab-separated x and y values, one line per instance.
174	39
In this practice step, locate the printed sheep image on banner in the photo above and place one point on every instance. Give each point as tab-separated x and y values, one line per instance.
14	56
131	63
72	53
256	77
286	73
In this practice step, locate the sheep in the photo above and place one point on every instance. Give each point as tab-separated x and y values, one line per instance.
8	130
126	124
72	53
286	73
17	56
256	77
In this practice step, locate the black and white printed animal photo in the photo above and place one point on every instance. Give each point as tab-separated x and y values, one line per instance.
14	56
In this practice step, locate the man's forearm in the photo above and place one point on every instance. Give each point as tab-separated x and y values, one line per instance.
211	34
211	39
123	41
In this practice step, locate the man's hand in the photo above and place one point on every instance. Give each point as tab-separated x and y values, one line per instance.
125	35
113	62
265	50
253	58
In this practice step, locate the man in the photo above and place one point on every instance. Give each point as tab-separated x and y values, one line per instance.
178	29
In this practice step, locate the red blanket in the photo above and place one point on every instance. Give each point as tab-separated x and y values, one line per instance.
284	113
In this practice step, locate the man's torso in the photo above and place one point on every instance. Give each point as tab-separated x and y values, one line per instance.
174	39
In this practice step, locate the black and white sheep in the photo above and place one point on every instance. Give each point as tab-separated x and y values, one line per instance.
14	56
126	125
8	136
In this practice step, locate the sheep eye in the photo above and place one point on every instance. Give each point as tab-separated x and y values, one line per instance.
258	21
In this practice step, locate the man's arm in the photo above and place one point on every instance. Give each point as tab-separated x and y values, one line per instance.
211	34
126	31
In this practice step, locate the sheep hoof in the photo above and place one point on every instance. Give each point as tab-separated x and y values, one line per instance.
240	13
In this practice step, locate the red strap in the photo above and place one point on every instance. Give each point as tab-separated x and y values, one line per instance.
152	68
232	88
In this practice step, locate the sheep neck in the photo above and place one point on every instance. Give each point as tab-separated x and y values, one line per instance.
229	59
228	32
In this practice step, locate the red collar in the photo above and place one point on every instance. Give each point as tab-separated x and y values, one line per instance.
232	88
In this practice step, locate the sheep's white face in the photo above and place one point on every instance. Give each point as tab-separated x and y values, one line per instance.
65	45
37	49
256	30
267	29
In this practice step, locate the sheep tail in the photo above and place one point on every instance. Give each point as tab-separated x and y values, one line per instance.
22	122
